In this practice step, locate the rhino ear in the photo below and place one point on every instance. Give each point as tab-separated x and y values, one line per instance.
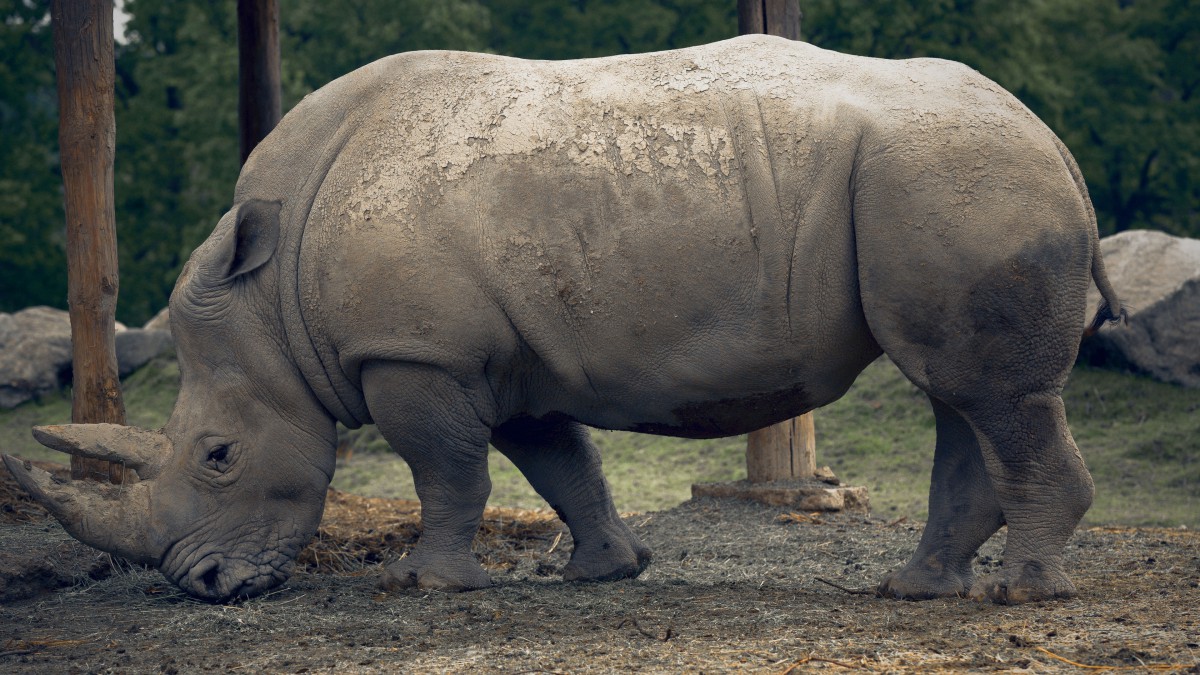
253	240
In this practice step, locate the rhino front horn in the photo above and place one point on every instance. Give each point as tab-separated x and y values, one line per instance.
137	449
112	518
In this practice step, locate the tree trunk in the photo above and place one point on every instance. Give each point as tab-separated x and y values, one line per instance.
786	450
773	17
83	61
258	71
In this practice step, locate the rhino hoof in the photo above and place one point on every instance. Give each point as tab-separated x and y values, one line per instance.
449	576
1031	584
608	564
922	583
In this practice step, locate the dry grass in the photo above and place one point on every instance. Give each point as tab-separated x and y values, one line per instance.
16	506
734	588
358	533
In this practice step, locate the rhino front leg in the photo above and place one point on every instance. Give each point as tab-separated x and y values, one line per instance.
427	417
963	514
557	457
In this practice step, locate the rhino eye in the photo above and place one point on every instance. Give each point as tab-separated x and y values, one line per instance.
218	458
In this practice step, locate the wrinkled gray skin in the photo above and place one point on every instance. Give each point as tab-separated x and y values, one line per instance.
465	249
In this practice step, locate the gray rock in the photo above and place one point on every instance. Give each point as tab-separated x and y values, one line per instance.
35	354
136	346
1157	277
8	329
161	321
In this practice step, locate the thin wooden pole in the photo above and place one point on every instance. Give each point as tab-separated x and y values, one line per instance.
787	450
751	17
83	61
773	17
783	451
258	72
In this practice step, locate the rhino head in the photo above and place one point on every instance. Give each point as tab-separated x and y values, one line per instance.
232	488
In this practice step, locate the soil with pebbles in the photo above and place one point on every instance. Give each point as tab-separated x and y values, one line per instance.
734	587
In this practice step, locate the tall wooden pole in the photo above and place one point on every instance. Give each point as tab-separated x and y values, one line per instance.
788	450
83	62
258	71
773	17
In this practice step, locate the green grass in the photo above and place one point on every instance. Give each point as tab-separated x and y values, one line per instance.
1141	439
1138	437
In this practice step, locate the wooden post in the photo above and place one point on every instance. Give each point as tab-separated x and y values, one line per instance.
83	62
258	71
783	451
773	17
788	450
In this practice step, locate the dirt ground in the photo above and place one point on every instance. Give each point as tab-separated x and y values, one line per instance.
734	587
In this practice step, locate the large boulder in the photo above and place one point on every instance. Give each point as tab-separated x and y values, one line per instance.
35	352
1157	277
160	321
136	346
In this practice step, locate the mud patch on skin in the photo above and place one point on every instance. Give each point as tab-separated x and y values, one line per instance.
732	416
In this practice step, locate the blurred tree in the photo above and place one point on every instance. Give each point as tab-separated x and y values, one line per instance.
1124	98
566	29
177	141
176	125
33	264
1116	79
321	41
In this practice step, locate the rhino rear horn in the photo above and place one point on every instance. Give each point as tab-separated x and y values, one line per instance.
112	518
138	449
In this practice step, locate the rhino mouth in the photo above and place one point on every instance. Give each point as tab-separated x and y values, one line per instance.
217	577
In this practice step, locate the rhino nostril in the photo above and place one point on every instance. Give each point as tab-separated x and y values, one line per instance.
205	575
209	579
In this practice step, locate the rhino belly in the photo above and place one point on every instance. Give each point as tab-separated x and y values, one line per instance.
730	416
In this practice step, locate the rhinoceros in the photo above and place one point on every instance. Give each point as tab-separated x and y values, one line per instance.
467	249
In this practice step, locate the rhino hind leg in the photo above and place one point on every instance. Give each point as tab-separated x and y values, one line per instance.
1004	381
428	419
557	457
1043	488
981	306
963	514
1038	480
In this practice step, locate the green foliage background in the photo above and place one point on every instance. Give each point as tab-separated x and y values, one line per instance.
1116	79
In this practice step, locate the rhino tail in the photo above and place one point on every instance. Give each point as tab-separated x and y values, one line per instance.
1110	309
1105	314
